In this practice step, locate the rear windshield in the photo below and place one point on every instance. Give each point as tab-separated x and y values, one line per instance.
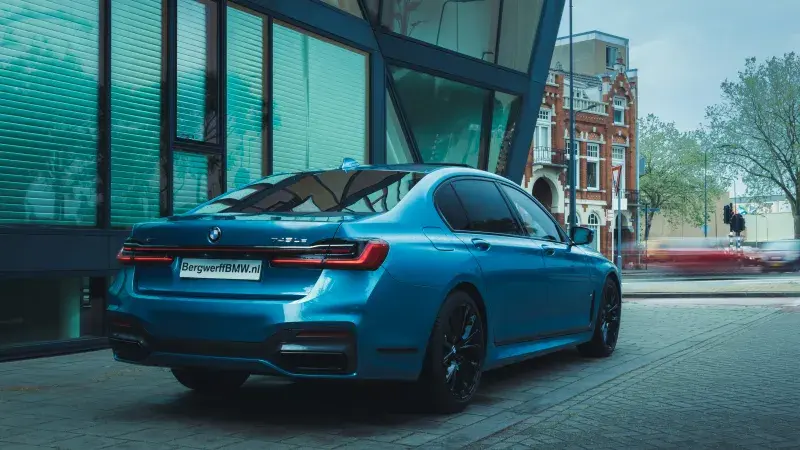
323	192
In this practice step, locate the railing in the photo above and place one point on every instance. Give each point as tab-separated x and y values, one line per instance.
584	105
632	196
550	156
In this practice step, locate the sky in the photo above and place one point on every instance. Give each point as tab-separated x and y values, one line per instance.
684	49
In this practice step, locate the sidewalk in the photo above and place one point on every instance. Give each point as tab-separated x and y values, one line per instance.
751	287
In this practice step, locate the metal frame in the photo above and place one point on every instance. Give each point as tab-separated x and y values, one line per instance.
383	47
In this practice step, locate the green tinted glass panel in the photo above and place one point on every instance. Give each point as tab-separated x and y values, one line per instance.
444	116
190	181
504	120
193	16
135	110
245	81
319	102
48	111
397	148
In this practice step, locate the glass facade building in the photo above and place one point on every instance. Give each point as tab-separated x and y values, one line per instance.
114	112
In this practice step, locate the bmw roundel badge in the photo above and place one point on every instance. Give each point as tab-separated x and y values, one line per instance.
214	234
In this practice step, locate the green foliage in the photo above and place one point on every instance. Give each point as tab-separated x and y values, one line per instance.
755	131
673	176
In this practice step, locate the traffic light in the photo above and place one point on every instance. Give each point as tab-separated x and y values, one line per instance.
737	223
727	213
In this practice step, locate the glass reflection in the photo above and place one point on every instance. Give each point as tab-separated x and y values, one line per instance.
504	121
468	27
444	116
518	32
397	149
350	6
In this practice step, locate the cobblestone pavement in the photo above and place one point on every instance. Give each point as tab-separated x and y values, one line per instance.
682	377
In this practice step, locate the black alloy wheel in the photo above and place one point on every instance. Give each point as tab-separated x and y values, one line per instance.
607	324
456	352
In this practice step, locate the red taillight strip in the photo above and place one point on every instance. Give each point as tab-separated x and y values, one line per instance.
371	258
127	255
339	249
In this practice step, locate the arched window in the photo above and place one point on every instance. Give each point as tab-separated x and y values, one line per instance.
594	225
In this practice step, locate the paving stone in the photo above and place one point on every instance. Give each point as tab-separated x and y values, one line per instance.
682	377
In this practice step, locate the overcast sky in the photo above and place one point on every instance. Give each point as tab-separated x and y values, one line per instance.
684	49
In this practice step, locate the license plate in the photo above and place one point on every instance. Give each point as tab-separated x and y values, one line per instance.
221	269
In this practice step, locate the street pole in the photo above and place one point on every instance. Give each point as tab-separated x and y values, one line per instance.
573	159
705	193
619	223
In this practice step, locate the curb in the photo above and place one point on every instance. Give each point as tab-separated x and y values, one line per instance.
646	295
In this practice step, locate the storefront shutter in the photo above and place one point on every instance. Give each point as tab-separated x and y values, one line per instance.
135	110
48	111
245	81
319	91
192	66
190	181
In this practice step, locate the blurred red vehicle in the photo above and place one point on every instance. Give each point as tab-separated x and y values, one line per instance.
693	254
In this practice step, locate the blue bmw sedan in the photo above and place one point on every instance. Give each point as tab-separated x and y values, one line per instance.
422	273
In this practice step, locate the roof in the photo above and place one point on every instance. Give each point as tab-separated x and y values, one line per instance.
594	34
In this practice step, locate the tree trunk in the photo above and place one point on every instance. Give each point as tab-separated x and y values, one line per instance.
796	225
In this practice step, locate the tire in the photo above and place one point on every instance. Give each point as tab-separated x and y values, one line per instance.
607	324
453	365
210	381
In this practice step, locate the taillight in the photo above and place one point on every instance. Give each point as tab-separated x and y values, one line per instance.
369	255
129	255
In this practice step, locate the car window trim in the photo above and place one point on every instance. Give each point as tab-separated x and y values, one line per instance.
562	237
448	182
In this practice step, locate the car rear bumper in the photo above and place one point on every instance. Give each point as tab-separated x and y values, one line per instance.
336	332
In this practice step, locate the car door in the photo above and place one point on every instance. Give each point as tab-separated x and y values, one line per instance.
567	309
510	262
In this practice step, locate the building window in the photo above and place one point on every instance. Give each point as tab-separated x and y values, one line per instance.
444	116
135	110
190	181
48	112
504	121
592	166
397	148
618	159
42	310
544	114
577	166
319	102
350	6
612	53
245	84
594	225
197	70
619	111
469	28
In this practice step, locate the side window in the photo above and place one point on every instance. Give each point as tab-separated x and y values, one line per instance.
450	207
486	209
534	219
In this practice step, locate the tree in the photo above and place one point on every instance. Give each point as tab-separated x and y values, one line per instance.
673	177
755	130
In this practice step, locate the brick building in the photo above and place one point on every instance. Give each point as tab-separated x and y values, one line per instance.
605	126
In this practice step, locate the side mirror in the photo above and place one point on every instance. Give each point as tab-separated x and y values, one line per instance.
581	235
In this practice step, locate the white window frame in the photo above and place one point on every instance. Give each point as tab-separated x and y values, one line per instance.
593	223
593	155
616	161
577	165
619	105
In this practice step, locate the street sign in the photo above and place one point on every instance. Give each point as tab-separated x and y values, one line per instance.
653	209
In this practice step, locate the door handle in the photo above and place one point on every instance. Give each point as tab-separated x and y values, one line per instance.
480	244
548	251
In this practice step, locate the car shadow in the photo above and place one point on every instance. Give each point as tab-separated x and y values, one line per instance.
328	406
